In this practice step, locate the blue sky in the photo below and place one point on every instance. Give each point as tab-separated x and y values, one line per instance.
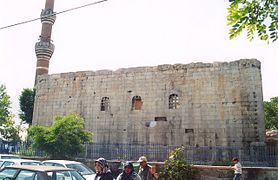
125	33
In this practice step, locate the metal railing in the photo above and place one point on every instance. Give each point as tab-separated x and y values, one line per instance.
251	156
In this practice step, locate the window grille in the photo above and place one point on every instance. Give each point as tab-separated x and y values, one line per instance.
104	106
174	101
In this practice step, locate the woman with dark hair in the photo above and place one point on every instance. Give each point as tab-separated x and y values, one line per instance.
128	173
102	170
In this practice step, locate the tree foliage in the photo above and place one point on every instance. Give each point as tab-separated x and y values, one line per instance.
4	105
271	113
64	139
8	130
176	167
26	101
256	16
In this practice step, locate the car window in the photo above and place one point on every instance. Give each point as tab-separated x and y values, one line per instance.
76	176
10	157
50	175
48	163
7	173
30	163
53	164
36	177
64	175
57	164
25	175
81	168
7	163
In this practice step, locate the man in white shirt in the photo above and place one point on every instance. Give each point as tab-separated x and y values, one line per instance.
237	169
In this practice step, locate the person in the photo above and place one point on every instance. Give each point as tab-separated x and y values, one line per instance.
146	172
102	170
128	173
237	169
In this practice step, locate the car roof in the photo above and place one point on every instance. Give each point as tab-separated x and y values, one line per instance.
20	160
63	161
9	155
39	168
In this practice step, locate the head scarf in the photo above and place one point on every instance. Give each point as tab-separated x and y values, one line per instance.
104	165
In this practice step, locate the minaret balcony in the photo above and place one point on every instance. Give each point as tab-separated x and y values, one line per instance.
48	16
44	49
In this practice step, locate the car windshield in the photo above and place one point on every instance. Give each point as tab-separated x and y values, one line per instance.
81	168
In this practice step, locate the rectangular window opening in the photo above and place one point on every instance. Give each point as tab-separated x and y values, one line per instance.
160	119
189	131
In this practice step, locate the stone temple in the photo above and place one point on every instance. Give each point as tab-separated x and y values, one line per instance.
198	104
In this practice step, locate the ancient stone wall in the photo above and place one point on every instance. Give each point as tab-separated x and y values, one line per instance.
199	104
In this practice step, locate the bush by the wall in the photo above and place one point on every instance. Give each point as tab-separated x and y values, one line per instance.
176	167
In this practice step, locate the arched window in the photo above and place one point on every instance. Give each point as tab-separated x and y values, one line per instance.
174	101
136	103
104	105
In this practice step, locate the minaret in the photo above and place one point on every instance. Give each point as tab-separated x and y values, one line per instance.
44	48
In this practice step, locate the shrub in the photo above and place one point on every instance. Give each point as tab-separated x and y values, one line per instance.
176	167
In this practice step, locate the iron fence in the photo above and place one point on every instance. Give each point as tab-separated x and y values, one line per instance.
251	156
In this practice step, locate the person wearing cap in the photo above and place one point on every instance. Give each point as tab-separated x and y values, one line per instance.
146	172
128	173
237	169
102	170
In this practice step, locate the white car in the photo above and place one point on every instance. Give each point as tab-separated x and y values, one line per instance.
84	170
11	162
9	156
4	157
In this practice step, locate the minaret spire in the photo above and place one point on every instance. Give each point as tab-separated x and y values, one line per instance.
44	48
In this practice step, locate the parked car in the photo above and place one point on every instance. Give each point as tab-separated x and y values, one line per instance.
4	157
84	170
19	172
11	162
9	156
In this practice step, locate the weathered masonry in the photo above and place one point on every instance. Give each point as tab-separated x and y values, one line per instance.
199	104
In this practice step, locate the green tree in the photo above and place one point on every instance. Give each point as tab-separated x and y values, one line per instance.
176	167
64	139
256	16
8	130
26	101
271	113
4	105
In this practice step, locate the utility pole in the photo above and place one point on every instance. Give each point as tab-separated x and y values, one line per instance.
44	48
